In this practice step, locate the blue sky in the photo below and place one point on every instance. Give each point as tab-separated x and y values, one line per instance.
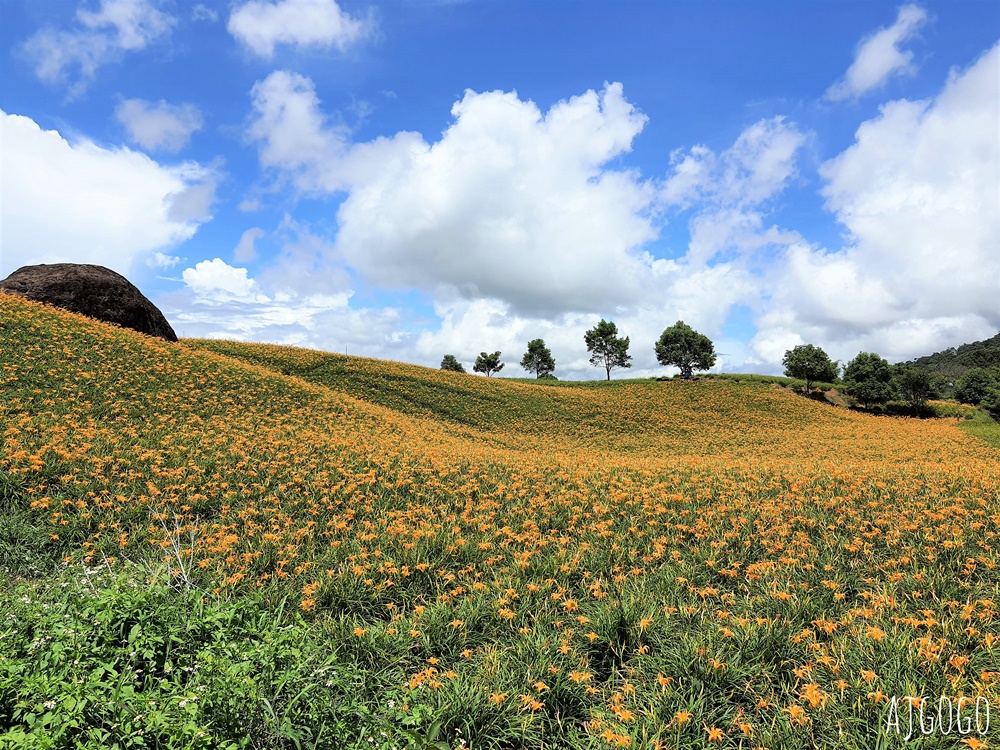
408	179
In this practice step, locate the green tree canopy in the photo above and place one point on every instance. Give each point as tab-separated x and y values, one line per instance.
809	363
991	403
488	363
914	384
683	347
448	362
868	378
972	387
606	348
538	359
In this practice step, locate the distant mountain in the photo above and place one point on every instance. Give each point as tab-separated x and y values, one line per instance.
955	362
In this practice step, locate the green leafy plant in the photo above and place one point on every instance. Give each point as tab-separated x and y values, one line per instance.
427	740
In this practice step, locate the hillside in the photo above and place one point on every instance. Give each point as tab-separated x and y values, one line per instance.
709	418
954	362
569	565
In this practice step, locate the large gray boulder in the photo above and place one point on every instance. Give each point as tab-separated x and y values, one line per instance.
94	291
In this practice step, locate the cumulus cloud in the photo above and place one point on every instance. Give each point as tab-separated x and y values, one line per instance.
918	193
757	166
223	301
217	281
728	190
511	203
518	223
880	56
294	135
160	126
113	206
261	25
102	36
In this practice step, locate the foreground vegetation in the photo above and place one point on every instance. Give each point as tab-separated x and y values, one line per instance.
217	544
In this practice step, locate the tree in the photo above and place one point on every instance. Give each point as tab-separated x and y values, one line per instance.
451	364
913	384
606	348
809	363
682	346
868	378
973	386
538	359
488	363
991	403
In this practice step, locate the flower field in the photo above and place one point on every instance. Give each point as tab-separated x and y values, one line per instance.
382	546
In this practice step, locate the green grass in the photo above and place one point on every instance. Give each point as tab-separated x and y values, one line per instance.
984	428
769	380
124	659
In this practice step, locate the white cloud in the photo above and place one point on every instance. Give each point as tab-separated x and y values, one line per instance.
517	226
202	12
510	203
294	135
194	202
222	301
245	250
879	56
261	25
468	326
728	189
116	27
84	203
160	126
756	167
217	281
307	264
162	261
731	231
919	194
249	205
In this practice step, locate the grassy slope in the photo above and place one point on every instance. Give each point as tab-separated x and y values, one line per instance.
705	418
447	533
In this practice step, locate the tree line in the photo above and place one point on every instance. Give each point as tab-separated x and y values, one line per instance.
868	378
679	345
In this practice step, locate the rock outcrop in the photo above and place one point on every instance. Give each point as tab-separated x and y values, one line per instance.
94	291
